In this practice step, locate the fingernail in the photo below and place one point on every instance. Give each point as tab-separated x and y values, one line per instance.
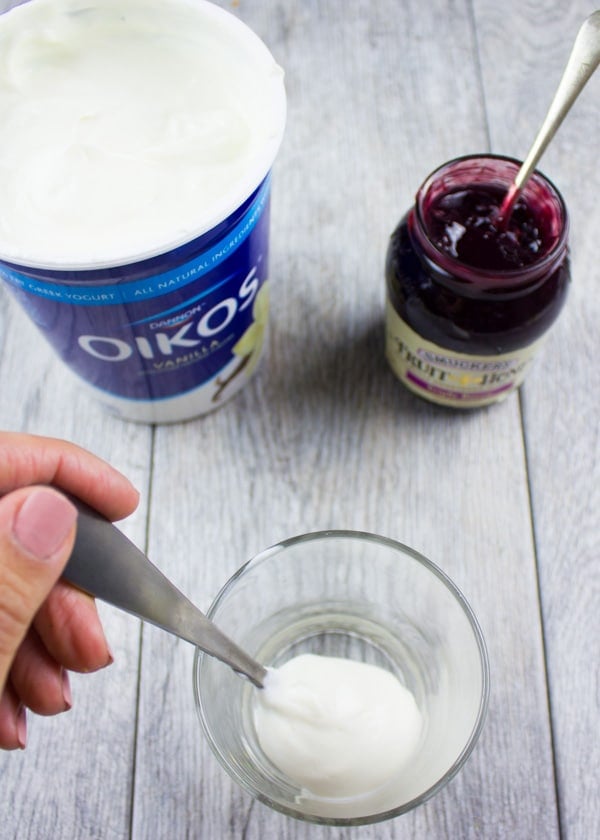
22	726
44	522
110	658
66	690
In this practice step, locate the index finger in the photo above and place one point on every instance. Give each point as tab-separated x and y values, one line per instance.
31	459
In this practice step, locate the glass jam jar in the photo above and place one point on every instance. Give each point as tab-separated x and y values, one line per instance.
470	297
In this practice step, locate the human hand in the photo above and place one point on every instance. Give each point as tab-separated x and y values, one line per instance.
47	627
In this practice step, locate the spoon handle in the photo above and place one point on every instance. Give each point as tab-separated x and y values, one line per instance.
583	60
105	564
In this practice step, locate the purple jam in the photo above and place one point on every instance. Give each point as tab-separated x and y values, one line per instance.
466	225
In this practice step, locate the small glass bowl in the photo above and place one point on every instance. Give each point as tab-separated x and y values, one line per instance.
365	597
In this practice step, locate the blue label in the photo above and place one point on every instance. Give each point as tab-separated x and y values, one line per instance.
160	334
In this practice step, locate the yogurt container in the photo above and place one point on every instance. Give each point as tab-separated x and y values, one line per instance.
137	139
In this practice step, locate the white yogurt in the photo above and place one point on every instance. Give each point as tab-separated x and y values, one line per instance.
337	727
128	126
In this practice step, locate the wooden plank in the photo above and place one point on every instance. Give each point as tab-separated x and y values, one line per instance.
560	402
75	777
325	437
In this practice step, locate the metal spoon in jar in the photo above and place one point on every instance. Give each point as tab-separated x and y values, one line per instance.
107	565
583	60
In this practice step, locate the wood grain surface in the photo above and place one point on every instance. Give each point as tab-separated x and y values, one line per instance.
505	499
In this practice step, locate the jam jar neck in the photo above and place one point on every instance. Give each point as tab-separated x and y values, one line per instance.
492	174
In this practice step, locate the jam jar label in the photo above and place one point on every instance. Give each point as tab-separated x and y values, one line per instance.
448	377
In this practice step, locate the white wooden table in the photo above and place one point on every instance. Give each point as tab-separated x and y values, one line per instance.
505	500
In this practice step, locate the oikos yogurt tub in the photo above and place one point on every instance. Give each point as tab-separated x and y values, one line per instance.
136	143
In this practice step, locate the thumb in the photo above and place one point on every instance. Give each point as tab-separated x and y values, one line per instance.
37	532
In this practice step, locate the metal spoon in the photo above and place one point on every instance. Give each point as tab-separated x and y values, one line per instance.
107	565
583	60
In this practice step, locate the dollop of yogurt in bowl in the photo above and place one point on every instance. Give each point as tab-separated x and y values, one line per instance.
337	727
